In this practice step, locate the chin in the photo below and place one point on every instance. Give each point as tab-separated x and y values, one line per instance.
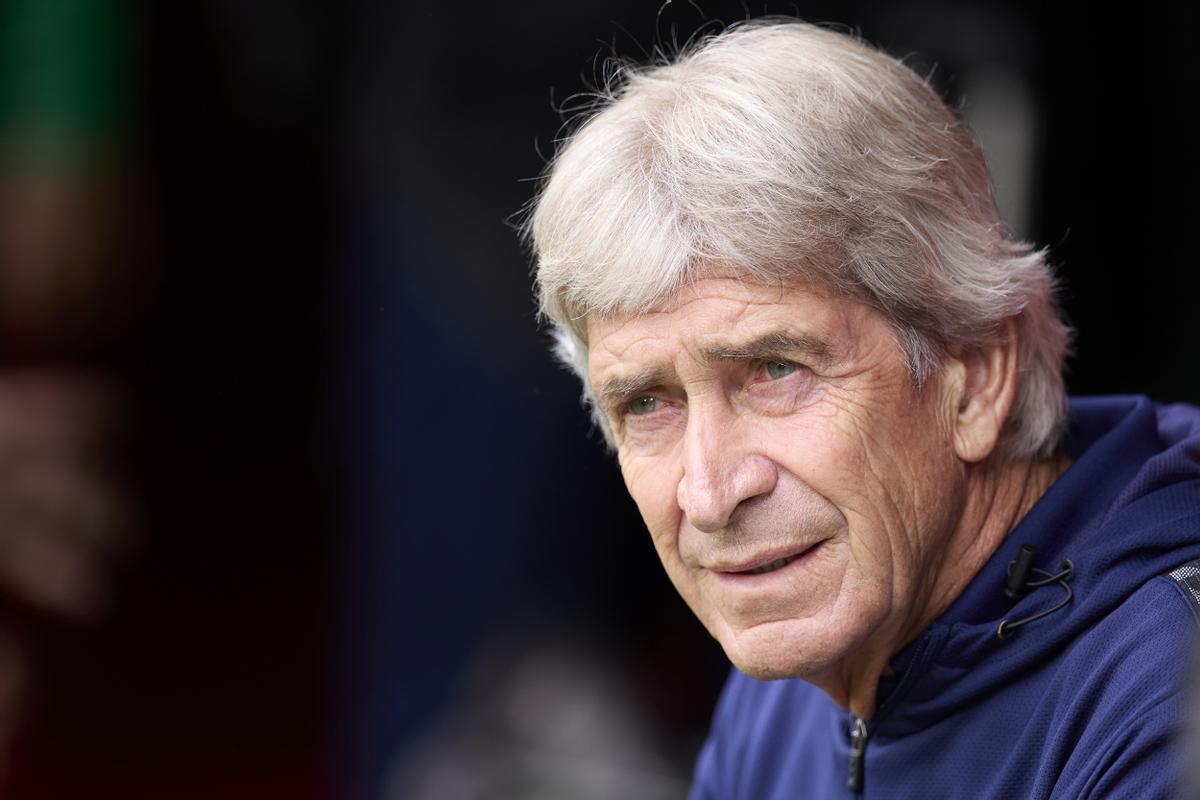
766	671
784	649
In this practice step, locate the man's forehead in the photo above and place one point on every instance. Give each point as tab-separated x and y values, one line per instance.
754	343
723	319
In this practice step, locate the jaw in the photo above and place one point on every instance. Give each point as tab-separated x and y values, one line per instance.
779	649
841	646
798	621
789	649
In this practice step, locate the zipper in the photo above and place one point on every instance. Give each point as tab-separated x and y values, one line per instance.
858	748
860	729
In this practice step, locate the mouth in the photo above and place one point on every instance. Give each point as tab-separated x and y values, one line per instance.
767	563
774	565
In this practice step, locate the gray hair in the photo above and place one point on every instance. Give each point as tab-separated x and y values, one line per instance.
796	154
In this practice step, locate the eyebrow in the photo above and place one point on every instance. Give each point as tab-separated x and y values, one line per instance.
769	345
616	391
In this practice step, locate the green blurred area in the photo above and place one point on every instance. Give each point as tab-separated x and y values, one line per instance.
64	79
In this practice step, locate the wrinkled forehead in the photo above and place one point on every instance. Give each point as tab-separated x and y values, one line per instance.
724	318
711	294
818	272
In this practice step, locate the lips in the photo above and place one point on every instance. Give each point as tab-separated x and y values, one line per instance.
774	565
767	562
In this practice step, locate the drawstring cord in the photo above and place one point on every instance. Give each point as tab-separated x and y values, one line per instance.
1019	585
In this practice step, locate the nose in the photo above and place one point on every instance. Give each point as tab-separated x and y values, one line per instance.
719	473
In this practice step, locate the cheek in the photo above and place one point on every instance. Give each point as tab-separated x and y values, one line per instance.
653	484
818	448
891	472
842	457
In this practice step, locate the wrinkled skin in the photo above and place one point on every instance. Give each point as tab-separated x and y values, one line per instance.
815	442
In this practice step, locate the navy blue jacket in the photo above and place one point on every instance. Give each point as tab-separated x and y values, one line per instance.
1082	703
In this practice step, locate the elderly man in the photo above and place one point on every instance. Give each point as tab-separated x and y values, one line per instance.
833	381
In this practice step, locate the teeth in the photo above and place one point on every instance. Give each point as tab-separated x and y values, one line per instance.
774	565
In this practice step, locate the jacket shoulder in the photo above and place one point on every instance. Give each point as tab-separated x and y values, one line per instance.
1186	580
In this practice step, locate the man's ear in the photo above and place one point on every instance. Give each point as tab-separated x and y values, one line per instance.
985	396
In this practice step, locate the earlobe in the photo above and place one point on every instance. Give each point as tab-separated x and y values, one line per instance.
989	384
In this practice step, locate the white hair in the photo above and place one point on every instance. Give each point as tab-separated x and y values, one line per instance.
795	154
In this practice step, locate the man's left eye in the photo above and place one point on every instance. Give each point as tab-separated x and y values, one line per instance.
778	369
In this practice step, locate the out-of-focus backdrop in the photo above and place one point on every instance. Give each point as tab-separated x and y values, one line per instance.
294	503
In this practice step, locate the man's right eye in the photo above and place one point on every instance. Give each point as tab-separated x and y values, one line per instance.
643	405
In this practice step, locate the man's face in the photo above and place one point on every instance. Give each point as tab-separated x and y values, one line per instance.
797	486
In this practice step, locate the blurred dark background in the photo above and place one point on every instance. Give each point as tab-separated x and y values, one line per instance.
348	532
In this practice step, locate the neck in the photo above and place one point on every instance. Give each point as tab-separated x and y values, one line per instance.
996	498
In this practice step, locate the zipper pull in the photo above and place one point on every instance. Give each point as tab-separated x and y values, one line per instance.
858	746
